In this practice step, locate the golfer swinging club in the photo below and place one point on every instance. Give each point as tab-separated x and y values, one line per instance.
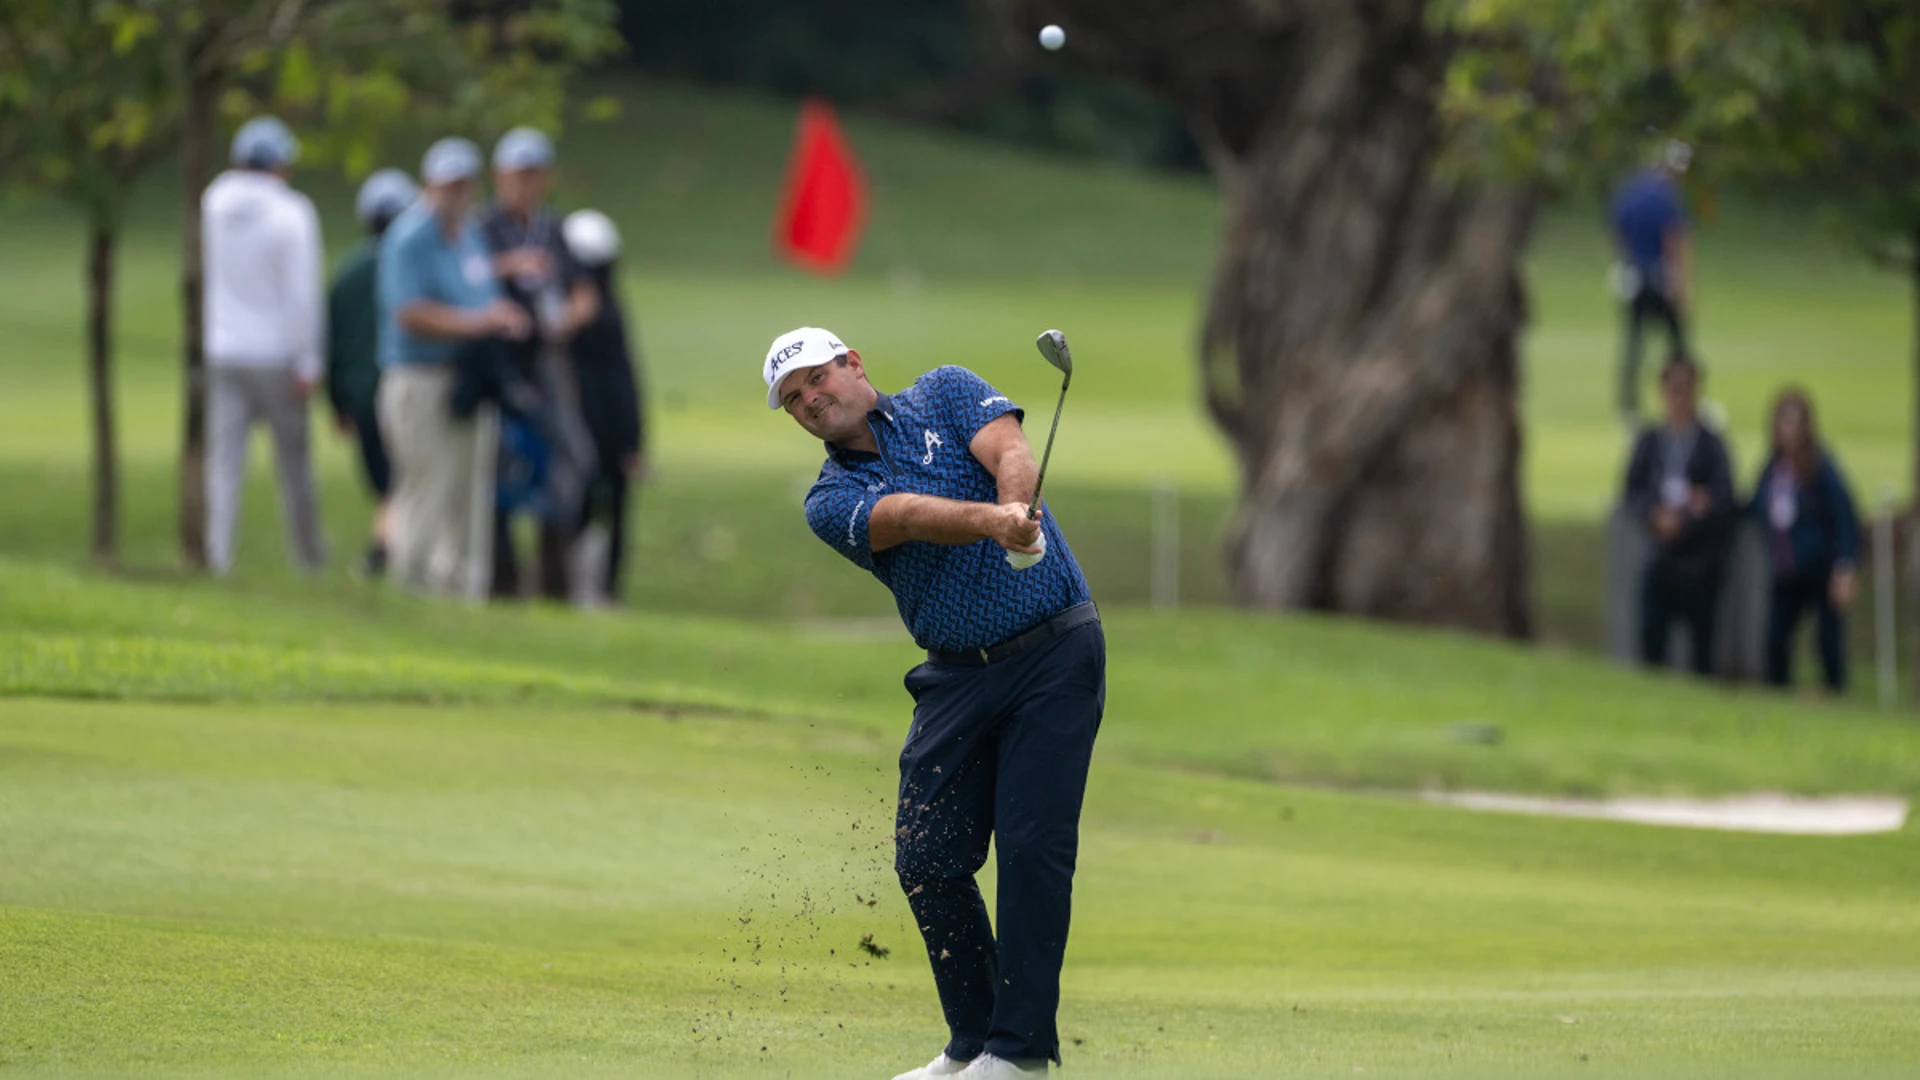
929	489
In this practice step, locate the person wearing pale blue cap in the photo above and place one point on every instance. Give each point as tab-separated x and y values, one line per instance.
438	296
353	344
265	143
262	296
537	272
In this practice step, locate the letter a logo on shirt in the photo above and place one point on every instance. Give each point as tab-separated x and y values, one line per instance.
933	440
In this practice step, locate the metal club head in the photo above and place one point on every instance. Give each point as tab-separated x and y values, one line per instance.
1053	346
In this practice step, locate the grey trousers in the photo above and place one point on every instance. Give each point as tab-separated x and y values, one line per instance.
237	398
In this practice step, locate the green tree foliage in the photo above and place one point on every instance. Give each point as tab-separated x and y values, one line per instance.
87	106
1820	98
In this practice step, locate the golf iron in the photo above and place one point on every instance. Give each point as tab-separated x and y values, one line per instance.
1053	346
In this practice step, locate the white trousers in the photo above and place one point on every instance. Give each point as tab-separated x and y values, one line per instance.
430	546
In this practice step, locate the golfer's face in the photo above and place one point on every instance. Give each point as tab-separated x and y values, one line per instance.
824	399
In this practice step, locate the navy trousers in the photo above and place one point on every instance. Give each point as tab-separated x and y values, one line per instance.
999	751
1792	597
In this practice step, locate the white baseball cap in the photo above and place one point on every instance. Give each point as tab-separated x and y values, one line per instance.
523	148
265	143
450	159
807	347
592	238
383	196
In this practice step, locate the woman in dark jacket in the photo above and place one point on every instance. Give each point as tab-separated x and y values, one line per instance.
610	391
1813	536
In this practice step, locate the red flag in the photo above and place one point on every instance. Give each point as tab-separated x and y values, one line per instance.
825	203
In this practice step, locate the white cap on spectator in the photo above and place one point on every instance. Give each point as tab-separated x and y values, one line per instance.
450	159
264	143
591	237
384	196
522	148
809	346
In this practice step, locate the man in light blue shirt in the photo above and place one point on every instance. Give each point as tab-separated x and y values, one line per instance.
438	295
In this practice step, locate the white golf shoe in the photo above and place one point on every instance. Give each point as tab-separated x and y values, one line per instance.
940	1066
988	1067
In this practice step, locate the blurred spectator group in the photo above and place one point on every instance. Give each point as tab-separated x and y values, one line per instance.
477	354
1788	549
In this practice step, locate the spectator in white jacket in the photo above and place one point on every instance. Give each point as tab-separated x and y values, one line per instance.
264	312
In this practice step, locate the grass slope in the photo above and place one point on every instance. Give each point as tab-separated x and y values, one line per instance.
1298	699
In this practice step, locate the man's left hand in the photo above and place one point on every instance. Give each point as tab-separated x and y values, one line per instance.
1699	500
1844	587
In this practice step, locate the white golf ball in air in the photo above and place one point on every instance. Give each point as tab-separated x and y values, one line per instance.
1052	37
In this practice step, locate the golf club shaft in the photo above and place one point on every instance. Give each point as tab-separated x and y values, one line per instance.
1033	511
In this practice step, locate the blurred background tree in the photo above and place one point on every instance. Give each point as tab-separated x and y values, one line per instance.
87	107
1359	345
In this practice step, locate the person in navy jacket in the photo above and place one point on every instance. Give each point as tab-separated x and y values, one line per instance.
1680	487
1813	536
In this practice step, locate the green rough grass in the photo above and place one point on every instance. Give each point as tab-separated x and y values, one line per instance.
1305	699
303	826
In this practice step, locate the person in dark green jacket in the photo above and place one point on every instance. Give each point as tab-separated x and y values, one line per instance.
353	343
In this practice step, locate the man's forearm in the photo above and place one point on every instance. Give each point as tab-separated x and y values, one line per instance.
1016	475
583	306
432	319
899	518
1679	263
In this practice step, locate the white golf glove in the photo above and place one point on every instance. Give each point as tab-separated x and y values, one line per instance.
1020	560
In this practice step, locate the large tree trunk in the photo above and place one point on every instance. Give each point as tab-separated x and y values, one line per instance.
106	471
1361	332
196	137
1360	345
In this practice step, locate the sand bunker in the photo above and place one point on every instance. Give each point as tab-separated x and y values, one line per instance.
1851	815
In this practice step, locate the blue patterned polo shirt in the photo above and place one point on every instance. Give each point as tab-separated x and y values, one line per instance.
952	598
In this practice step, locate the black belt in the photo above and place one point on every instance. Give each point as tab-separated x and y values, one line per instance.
1071	619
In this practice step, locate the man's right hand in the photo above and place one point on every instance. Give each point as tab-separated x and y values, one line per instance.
522	262
506	318
1012	529
1666	524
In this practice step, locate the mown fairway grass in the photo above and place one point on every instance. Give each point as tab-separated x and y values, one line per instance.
292	826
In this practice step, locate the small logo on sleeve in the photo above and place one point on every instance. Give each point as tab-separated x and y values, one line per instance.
933	440
853	522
